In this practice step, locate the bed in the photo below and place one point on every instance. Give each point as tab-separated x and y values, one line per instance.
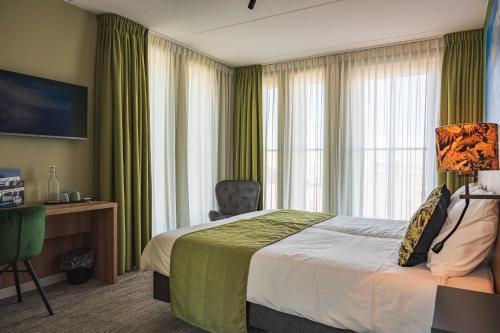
335	276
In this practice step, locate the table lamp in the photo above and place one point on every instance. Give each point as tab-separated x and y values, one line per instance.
466	149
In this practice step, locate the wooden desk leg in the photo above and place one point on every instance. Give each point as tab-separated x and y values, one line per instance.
104	242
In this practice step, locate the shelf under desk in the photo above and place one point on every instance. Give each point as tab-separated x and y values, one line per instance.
75	225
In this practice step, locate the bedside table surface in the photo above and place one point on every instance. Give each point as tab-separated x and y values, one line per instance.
463	311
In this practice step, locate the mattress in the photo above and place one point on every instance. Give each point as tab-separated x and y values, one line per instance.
342	272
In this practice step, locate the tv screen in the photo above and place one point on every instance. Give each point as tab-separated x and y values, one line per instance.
40	107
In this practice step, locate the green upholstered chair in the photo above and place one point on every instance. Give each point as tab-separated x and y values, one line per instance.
22	232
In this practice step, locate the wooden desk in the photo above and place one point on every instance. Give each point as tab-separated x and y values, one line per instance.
75	225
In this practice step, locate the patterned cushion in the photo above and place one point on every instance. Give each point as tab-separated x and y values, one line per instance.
424	226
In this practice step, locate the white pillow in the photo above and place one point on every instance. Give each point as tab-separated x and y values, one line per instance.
456	196
471	242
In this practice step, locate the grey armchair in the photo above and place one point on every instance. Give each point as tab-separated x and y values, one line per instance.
235	197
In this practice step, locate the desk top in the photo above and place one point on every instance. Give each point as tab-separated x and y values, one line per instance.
75	207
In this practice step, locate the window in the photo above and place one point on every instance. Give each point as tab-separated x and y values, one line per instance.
294	141
202	137
353	133
190	105
396	129
270	98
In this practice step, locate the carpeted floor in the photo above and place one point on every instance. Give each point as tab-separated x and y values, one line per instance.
93	307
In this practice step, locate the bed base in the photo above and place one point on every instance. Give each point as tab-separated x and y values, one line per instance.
259	317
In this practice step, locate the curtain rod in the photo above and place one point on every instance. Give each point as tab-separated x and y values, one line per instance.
295	59
191	48
354	50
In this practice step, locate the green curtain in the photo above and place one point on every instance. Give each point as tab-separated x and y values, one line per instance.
248	126
461	86
122	132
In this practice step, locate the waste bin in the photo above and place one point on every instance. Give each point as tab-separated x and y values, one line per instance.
78	265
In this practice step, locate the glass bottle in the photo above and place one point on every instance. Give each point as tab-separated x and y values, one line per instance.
53	184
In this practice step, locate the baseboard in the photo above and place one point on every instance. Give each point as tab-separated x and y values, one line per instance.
28	286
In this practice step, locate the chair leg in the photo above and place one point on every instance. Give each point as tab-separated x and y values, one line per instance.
18	285
30	269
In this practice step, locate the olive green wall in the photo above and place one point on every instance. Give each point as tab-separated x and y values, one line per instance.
55	40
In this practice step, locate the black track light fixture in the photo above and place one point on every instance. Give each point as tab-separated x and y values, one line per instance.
251	4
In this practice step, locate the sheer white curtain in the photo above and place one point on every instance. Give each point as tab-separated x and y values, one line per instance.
191	127
353	133
294	128
390	100
202	141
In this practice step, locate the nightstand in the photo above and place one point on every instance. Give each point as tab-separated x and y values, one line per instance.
465	311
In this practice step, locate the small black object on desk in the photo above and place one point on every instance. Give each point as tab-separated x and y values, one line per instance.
463	311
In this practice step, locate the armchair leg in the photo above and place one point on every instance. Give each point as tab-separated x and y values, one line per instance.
30	269
18	285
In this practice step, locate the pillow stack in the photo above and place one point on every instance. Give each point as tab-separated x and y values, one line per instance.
472	241
433	221
424	226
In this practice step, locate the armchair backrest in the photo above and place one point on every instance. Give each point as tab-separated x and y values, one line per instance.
22	232
236	197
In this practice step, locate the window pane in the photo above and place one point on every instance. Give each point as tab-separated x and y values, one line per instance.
270	100
202	146
294	141
395	144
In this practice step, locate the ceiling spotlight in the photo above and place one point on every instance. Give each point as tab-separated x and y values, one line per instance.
251	4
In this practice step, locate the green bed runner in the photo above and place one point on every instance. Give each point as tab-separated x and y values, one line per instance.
209	268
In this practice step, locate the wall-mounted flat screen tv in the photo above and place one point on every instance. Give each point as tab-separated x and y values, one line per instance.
40	107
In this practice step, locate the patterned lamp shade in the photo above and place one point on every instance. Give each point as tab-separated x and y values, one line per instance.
466	148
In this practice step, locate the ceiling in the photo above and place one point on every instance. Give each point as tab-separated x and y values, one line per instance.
284	29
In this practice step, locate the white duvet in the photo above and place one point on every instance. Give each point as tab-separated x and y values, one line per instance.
342	273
